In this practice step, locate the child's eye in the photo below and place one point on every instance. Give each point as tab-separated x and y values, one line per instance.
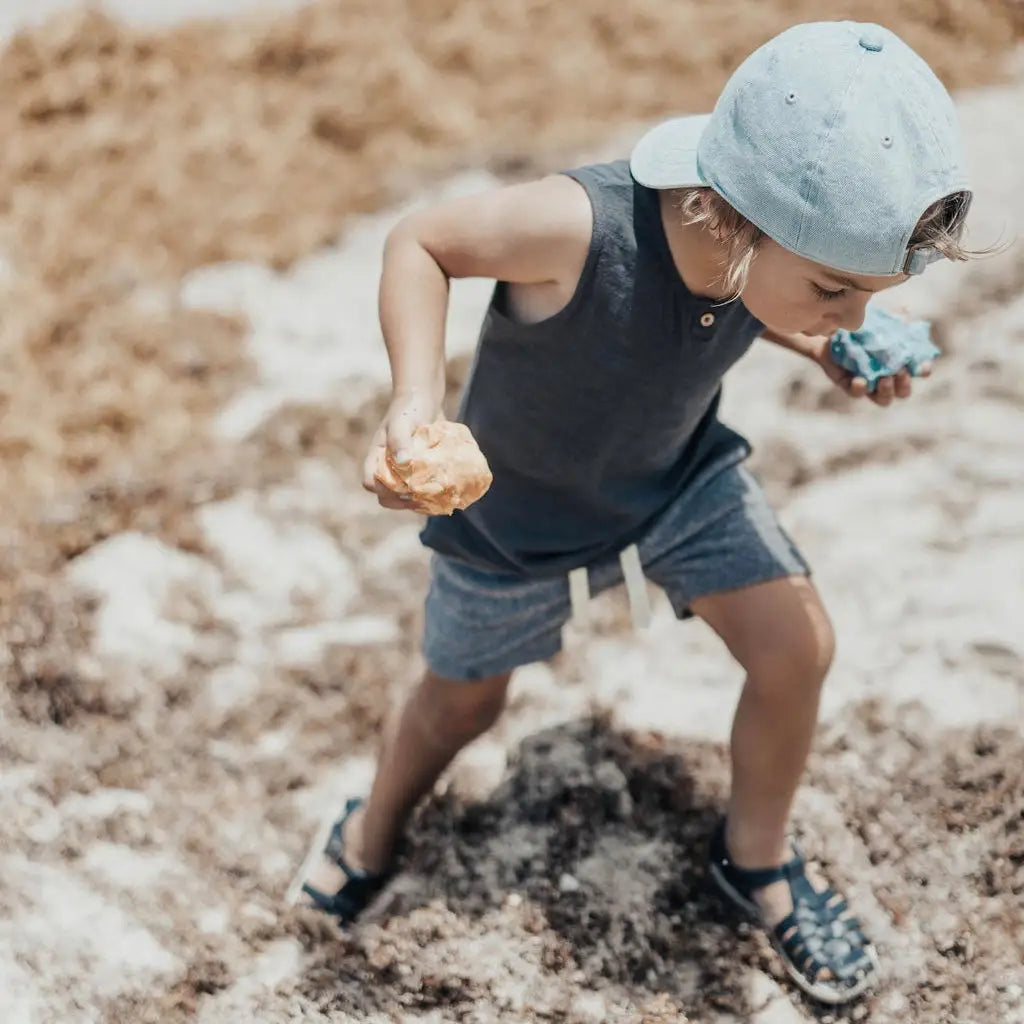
825	294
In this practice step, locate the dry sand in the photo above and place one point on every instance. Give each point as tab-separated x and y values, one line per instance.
204	618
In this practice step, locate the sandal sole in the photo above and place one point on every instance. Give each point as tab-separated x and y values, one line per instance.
821	992
313	854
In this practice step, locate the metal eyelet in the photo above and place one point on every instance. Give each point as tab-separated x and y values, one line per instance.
887	141
791	98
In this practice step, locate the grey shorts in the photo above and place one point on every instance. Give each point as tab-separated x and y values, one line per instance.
720	534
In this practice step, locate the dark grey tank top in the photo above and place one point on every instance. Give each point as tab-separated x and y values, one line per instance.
595	419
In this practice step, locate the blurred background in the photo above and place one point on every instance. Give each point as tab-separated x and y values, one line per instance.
204	619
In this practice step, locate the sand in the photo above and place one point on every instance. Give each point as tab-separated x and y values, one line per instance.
204	618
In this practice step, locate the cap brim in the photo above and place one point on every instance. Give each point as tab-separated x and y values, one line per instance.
666	157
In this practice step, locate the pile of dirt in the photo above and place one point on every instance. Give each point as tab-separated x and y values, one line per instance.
577	891
589	860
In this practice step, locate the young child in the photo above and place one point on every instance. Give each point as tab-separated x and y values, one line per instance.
830	170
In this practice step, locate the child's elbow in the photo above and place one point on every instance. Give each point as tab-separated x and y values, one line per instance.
402	235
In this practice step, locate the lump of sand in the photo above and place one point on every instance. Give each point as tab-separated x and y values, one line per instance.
445	470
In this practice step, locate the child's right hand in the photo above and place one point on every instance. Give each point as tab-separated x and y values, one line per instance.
404	415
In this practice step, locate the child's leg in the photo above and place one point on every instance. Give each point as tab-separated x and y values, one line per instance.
478	627
720	553
779	632
438	718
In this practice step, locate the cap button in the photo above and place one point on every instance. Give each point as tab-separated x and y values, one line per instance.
871	42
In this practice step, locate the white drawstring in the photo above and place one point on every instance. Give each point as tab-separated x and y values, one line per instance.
636	587
636	590
579	594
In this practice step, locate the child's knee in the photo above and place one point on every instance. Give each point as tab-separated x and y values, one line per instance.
797	659
461	709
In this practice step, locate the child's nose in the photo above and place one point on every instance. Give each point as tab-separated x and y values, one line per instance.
851	316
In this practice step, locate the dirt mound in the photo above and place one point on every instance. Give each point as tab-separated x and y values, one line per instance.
589	860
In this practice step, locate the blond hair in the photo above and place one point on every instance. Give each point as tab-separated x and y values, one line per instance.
940	227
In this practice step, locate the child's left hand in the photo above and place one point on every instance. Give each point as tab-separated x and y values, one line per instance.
880	357
900	385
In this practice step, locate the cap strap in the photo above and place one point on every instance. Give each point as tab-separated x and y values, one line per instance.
918	259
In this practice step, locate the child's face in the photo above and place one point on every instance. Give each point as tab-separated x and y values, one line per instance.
794	295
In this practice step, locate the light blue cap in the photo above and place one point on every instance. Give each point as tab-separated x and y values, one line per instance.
833	138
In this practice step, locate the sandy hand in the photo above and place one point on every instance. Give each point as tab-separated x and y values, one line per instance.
444	471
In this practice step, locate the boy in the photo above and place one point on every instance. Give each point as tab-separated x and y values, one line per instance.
830	170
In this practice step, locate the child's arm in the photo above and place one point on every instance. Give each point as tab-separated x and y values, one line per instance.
802	344
535	235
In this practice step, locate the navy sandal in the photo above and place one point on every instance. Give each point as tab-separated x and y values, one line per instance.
819	935
360	888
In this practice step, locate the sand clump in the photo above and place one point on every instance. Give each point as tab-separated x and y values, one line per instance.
444	471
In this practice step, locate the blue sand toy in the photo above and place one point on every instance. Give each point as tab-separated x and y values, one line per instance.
883	346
